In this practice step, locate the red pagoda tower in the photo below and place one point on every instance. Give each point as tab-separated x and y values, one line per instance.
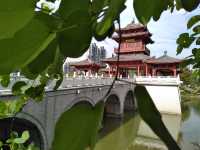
134	56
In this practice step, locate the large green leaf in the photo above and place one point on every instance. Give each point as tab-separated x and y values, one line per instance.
44	59
14	15
67	7
152	117
77	128
76	38
193	20
25	46
190	5
101	28
98	5
145	9
76	34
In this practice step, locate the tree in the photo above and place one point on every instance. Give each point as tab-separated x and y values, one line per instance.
36	42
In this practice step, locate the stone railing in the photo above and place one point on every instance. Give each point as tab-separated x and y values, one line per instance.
158	80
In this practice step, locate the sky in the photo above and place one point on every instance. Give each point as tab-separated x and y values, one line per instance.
164	32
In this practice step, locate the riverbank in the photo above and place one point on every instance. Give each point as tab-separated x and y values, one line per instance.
189	93
189	97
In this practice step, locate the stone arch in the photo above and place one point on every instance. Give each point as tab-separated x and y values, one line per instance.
129	101
112	106
19	125
78	100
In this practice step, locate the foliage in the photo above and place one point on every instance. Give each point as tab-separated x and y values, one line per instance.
152	117
35	43
81	132
185	76
17	143
191	39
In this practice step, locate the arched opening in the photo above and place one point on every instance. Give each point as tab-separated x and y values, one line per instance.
129	103
20	125
112	106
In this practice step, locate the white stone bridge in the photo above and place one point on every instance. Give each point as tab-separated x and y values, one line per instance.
40	118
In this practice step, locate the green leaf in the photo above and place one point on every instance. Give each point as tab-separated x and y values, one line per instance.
196	29
79	133
25	136
101	29
44	59
190	5
98	5
196	53
198	41
14	15
152	117
56	67
27	73
16	88
75	39
193	20
186	62
76	34
58	82
67	7
14	106
5	80
179	49
1	144
25	46
36	93
185	40
178	4
152	8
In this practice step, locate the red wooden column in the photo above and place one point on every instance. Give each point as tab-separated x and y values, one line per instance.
146	70
138	70
174	70
153	72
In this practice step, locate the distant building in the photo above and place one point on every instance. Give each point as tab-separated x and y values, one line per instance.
96	54
92	64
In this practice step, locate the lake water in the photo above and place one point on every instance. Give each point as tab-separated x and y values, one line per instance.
131	133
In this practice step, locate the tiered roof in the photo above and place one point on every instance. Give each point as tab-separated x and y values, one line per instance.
129	57
133	30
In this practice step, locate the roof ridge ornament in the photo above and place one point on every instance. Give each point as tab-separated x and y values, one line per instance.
165	53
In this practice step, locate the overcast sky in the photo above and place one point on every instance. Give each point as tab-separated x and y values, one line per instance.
165	31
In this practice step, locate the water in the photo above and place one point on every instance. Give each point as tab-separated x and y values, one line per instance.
131	133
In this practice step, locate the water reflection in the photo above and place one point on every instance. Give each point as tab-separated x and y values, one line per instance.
132	133
146	139
117	134
190	126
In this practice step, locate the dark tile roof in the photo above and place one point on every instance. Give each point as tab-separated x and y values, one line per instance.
128	57
132	35
132	26
86	62
163	60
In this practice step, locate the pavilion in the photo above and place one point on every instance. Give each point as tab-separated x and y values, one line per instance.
134	56
86	66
